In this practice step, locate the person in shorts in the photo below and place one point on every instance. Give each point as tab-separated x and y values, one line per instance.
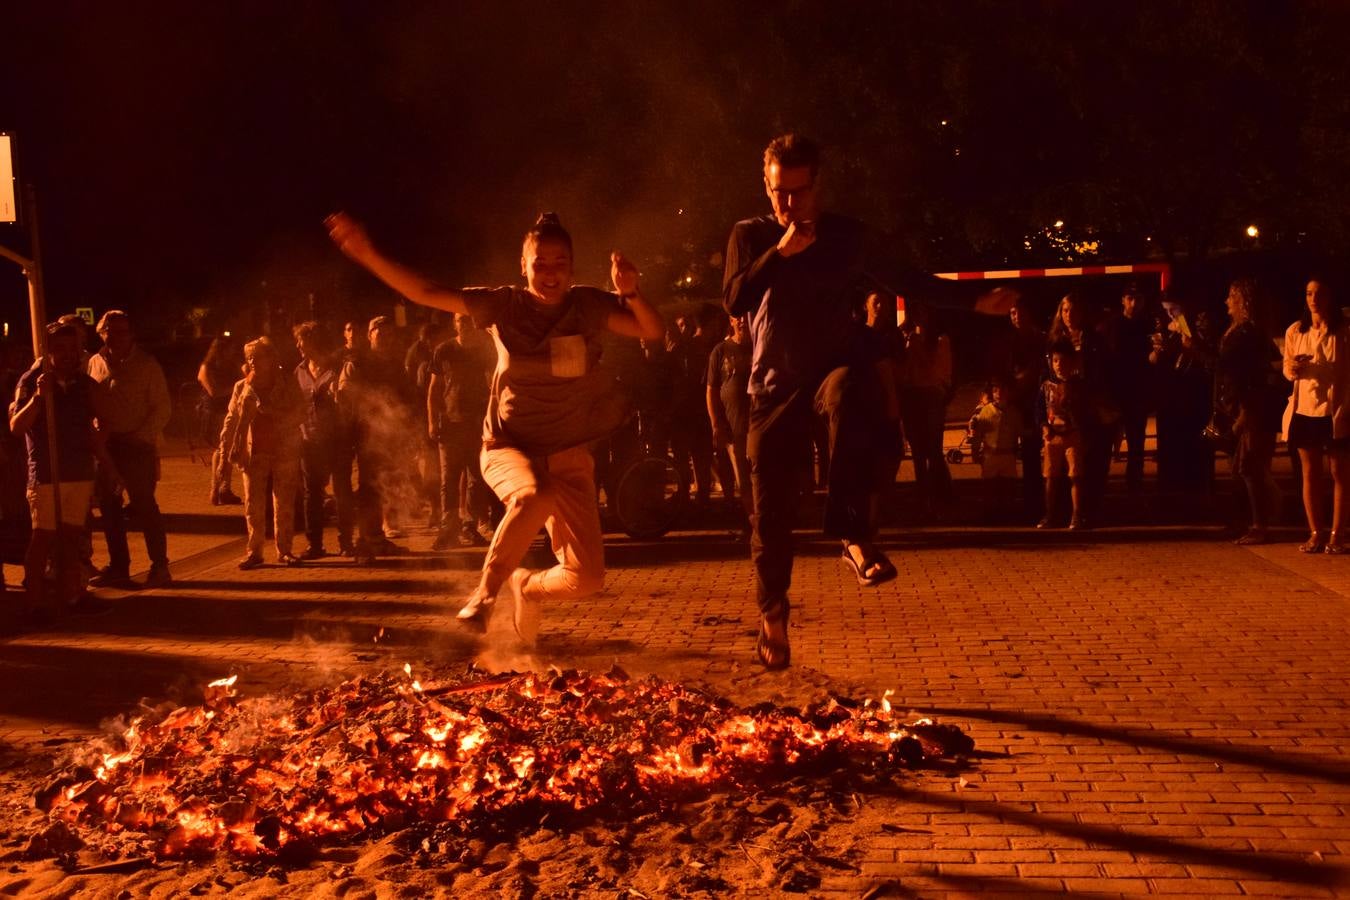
1317	418
60	376
1058	412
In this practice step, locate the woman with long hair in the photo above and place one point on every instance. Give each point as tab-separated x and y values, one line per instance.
1317	418
548	402
1248	399
1073	325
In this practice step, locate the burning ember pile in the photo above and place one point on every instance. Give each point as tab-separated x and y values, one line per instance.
267	778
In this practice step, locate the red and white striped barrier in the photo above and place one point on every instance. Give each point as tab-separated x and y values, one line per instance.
1162	270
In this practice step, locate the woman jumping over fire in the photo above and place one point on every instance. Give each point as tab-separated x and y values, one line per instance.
547	403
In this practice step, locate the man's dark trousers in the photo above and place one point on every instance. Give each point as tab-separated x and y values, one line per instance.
138	464
779	447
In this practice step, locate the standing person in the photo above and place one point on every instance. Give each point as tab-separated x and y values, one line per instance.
426	464
373	391
456	402
925	388
1021	353
134	407
1073	325
888	348
1182	360
728	397
15	516
691	440
1130	377
549	401
344	461
1248	397
796	274
60	374
995	427
261	435
1060	410
1317	417
320	437
217	374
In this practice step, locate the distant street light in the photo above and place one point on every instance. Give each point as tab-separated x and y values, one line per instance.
1253	231
1059	223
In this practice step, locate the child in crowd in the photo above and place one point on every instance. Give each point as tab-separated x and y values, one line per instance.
1060	415
993	431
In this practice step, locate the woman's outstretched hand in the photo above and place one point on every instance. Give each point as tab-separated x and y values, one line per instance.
623	273
349	235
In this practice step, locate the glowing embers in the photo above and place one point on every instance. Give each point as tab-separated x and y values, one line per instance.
268	775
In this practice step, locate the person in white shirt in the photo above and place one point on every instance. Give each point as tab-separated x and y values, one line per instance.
1317	419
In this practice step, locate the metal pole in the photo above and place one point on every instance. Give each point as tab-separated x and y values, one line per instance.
37	311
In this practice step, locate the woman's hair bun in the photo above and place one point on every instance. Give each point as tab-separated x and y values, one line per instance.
548	219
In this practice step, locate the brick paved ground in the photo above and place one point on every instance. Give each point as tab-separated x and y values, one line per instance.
1159	711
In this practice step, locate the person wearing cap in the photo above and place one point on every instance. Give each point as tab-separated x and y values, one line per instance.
60	376
134	407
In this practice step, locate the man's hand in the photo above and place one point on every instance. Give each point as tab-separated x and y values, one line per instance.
721	434
44	385
350	236
798	237
623	273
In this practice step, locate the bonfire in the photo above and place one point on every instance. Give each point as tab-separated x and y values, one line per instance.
268	778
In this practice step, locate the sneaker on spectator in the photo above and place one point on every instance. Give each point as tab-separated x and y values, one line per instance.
158	576
444	539
110	577
485	531
468	537
288	559
252	561
230	498
312	553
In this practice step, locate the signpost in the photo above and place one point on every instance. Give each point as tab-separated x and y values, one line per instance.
32	270
9	206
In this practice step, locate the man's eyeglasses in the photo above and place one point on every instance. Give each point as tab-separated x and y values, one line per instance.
783	193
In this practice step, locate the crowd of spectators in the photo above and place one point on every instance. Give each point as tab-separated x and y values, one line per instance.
376	433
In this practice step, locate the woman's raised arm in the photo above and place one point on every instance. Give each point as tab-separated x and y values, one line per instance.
351	238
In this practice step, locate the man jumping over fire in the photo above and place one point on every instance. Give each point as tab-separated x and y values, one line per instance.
799	275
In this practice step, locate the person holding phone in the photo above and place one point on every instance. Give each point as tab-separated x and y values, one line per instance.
1317	417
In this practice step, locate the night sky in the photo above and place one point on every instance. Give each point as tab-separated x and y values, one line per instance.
185	154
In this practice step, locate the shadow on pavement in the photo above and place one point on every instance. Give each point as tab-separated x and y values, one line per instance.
1275	866
1288	764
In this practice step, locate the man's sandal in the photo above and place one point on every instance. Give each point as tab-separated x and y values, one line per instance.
774	654
873	559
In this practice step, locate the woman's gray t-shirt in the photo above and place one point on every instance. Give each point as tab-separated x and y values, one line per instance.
549	392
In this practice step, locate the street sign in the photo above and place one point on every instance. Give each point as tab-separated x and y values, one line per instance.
86	313
9	207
